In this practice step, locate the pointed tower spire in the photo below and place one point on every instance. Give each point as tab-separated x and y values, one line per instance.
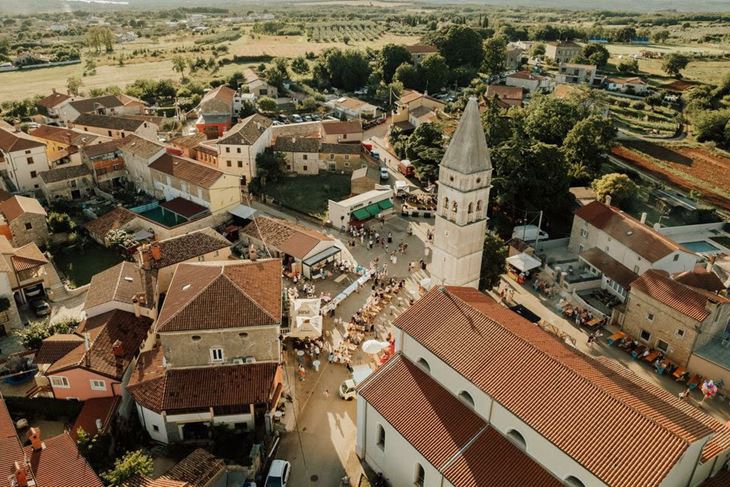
468	152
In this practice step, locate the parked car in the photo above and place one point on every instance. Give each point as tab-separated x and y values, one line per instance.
34	291
40	307
278	474
384	174
296	118
348	388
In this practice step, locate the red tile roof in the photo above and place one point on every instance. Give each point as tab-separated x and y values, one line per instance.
188	246
27	257
285	236
102	408
160	389
197	469
609	266
187	170
53	100
567	397
184	207
401	391
122	283
11	141
105	330
700	278
235	295
10	449
720	443
687	300
493	460
113	220
638	237
55	347
340	127
61	465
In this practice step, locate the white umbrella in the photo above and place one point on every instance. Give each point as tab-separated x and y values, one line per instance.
373	346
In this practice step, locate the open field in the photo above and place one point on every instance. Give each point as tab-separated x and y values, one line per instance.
292	46
309	194
24	84
687	167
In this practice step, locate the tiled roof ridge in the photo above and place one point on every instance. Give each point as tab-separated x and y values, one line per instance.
241	290
468	444
192	298
576	373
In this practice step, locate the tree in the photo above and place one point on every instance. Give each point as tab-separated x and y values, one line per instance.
179	64
132	463
32	336
425	150
460	46
710	125
550	119
586	144
99	37
60	222
342	69
434	73
619	186
628	65
267	104
674	63
497	125
391	57
661	36
300	65
537	49
408	75
270	165
495	54
624	34
494	258
73	85
596	54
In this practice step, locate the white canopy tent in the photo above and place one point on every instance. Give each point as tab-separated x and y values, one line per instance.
304	318
524	262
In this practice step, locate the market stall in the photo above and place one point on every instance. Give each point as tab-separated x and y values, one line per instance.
520	265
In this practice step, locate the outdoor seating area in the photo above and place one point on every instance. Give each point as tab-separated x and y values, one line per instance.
655	358
600	299
581	316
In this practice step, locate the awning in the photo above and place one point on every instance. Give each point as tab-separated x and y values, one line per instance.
361	214
242	211
143	235
320	256
385	205
524	262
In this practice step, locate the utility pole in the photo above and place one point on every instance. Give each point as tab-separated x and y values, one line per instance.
539	224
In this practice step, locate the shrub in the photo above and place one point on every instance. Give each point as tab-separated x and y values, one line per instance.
32	336
59	222
638	105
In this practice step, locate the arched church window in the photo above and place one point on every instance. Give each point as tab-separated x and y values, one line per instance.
454	207
470	209
479	205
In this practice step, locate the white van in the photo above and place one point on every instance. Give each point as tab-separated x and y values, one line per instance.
348	388
529	233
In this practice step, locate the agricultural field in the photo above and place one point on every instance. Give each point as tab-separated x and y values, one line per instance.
689	167
656	121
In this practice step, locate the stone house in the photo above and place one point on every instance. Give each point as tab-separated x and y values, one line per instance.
67	183
138	153
50	105
115	127
64	144
217	357
307	155
106	162
24	221
258	86
561	52
179	177
216	110
419	52
673	317
338	132
527	80
22	157
30	274
239	146
576	73
113	105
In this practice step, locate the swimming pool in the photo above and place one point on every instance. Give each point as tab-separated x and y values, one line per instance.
167	218
701	247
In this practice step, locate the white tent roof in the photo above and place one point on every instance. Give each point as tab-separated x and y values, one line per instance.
524	262
305	319
242	211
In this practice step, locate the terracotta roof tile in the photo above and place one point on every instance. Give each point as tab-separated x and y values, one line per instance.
121	283
640	238
11	141
108	122
187	170
700	279
247	131
140	147
494	348
284	236
190	388
105	330
96	150
720	443
197	469
185	247
113	220
53	100
337	127
235	295
63	135
493	460
184	207
687	300
609	266
61	465
65	173
55	347
27	257
103	408
444	426
16	206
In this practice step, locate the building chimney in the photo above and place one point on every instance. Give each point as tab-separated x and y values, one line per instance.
34	435
135	302
252	253
21	475
118	349
87	346
643	217
156	251
608	200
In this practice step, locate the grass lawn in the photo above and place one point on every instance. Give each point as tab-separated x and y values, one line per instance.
79	265
309	194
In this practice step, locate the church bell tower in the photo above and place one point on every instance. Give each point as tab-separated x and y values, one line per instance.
465	176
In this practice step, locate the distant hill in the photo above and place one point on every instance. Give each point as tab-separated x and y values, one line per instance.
31	6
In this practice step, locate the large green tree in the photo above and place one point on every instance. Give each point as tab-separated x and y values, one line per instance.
425	149
595	54
390	58
586	144
132	463
494	257
674	63
460	45
619	186
434	72
495	55
347	69
550	119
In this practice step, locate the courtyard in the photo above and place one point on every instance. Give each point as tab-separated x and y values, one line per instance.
308	194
